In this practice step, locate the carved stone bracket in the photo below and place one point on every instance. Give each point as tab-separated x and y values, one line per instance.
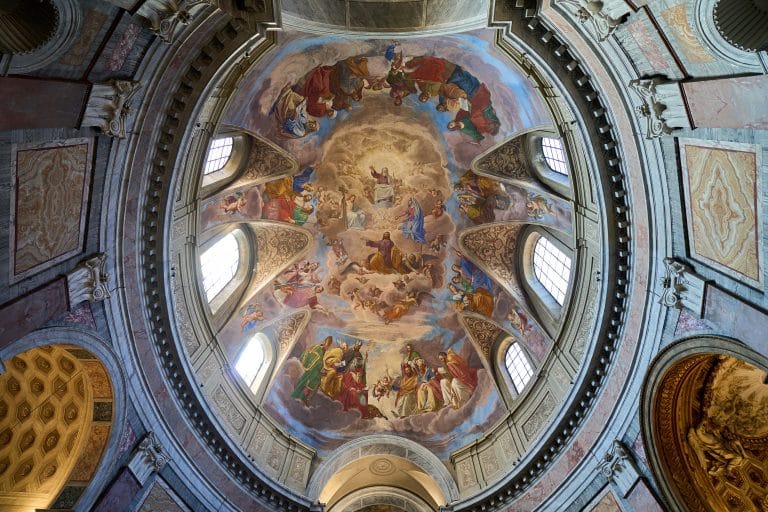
108	106
663	106
164	16
681	287
605	17
619	467
150	457
88	281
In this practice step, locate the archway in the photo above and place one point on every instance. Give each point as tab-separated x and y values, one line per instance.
705	422
56	420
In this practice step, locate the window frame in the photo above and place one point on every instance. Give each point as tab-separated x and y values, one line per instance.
540	169
222	160
541	268
238	157
548	311
226	300
258	382
528	361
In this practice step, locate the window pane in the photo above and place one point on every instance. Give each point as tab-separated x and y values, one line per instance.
219	265
250	361
218	154
518	367
554	155
552	268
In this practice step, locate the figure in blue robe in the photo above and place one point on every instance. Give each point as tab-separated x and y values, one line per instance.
302	179
413	227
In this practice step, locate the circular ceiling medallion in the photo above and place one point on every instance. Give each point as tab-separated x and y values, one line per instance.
382	467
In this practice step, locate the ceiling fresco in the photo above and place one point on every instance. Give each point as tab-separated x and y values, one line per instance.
384	135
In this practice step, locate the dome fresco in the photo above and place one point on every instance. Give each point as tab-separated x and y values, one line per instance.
385	141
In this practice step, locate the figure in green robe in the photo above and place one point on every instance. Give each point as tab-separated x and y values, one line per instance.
312	362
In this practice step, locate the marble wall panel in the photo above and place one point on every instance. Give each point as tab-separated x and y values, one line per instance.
687	43
723	199
161	500
729	102
607	503
51	182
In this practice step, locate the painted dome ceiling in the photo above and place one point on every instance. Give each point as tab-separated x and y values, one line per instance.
376	236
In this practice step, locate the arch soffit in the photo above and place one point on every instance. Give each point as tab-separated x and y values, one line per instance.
675	356
100	349
385	445
381	495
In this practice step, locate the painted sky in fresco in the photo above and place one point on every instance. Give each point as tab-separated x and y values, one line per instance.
385	188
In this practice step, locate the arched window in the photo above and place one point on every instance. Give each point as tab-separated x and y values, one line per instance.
552	268
554	154
219	265
218	154
251	360
518	366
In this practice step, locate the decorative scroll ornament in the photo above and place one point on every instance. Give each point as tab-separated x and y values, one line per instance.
109	105
150	457
505	161
88	281
163	16
681	287
596	12
618	467
660	97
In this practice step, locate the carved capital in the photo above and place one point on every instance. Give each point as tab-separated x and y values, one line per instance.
163	17
109	105
605	17
150	457
88	281
619	468
681	287
662	106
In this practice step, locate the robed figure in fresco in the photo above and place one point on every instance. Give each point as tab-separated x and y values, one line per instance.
458	380
388	259
383	190
312	362
413	226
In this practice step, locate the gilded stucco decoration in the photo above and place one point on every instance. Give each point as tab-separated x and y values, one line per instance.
723	199
507	161
712	426
266	161
494	249
55	418
276	246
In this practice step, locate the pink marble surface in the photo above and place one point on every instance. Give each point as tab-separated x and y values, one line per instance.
729	102
641	498
120	493
736	319
80	315
688	322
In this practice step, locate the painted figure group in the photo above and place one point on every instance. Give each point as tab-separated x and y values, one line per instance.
326	90
422	388
339	372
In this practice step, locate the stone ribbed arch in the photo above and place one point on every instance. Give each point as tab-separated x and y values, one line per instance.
386	446
388	498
